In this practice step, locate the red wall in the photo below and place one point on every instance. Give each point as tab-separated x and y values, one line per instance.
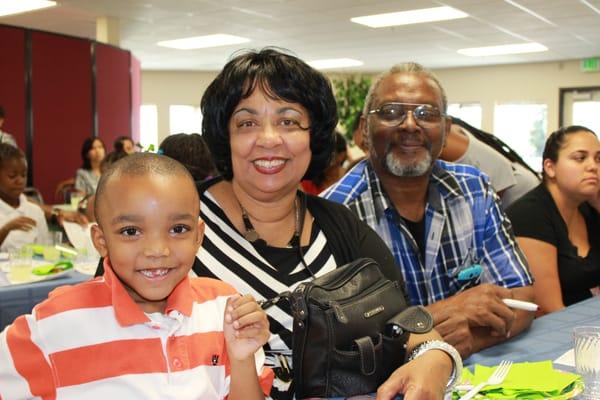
70	99
62	107
113	93
12	81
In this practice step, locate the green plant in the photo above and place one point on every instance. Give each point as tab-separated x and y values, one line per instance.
350	96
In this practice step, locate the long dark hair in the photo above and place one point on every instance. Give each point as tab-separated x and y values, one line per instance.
85	149
495	143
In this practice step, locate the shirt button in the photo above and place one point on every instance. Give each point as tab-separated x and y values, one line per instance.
177	363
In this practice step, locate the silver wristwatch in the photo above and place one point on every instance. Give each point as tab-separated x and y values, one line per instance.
448	349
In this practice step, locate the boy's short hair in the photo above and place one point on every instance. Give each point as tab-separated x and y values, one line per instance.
10	152
140	164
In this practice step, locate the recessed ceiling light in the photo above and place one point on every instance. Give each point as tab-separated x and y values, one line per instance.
335	63
9	7
200	42
502	50
410	17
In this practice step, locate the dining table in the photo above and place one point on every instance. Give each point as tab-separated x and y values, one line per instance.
548	337
18	299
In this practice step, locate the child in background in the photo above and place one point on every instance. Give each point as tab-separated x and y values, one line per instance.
21	221
144	330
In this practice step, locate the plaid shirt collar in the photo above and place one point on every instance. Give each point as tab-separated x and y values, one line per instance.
441	183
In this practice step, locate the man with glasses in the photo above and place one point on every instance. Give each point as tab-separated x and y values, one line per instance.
442	221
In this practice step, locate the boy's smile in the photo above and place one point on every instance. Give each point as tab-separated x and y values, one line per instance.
149	228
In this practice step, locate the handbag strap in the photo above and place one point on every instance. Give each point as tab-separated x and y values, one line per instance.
366	349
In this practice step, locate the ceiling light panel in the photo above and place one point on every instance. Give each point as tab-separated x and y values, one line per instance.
10	7
519	48
201	42
410	17
335	63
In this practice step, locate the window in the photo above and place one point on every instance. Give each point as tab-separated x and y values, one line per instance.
585	113
185	119
468	112
149	125
523	127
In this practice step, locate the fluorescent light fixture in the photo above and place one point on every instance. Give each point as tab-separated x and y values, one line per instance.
502	50
201	42
410	17
335	63
9	7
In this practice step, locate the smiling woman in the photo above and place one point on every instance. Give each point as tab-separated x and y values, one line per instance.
269	120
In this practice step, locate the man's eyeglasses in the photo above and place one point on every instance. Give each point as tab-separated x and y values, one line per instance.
394	114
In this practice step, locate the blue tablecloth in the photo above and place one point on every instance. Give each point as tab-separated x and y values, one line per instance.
548	337
16	300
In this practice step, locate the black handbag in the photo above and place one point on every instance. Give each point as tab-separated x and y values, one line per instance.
350	331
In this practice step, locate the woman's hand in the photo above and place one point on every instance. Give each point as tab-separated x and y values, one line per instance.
246	327
424	378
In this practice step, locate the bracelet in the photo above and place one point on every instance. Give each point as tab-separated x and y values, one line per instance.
448	349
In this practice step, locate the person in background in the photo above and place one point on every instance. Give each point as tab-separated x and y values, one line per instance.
509	175
442	221
268	119
192	152
145	330
86	205
4	136
124	144
333	172
92	154
555	226
21	221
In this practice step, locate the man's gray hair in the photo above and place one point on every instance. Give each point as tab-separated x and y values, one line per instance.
408	67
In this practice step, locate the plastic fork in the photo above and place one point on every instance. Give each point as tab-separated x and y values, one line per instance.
496	378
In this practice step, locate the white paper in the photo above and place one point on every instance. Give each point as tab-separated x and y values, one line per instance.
80	237
566	359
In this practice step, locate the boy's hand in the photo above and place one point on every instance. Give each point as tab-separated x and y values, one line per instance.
246	327
21	224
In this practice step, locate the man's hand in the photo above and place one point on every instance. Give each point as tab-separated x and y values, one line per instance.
458	317
20	224
454	328
424	378
246	327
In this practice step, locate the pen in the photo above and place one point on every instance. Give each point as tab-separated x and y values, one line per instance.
521	305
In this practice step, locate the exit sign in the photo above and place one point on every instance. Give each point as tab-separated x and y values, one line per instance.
590	64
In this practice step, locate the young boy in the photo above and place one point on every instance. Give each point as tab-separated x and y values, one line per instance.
21	221
144	330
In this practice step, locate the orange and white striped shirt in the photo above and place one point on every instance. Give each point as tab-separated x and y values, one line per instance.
91	341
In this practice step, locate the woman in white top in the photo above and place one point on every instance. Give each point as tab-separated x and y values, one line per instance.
92	154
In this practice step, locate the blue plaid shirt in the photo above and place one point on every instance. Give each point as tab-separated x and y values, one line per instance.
464	225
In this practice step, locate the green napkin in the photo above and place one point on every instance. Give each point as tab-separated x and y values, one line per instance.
528	380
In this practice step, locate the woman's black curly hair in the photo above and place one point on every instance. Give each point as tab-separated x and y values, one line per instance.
280	76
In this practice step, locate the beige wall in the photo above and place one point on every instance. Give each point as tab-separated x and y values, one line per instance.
165	88
528	83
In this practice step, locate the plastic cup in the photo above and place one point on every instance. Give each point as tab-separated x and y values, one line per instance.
587	359
20	261
75	199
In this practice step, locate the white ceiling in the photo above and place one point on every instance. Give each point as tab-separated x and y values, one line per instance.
317	29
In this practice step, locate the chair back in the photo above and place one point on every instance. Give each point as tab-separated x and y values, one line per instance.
64	189
33	194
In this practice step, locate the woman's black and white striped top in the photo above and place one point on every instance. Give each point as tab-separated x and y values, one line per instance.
260	270
337	237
